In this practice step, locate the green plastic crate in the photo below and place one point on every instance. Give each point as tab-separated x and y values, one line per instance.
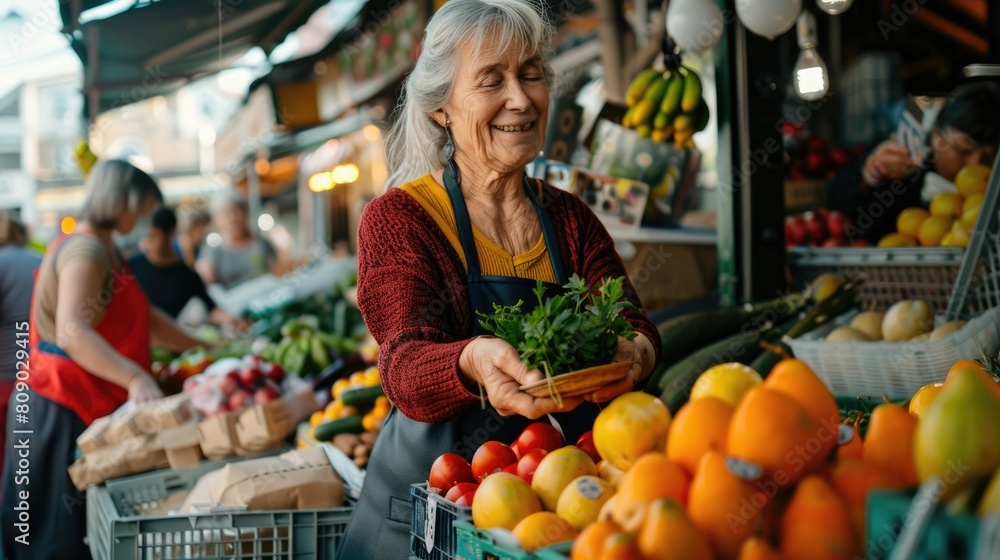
946	536
474	544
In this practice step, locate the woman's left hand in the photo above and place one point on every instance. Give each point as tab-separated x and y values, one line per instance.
628	351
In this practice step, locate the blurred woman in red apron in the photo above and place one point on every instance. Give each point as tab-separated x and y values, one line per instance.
89	336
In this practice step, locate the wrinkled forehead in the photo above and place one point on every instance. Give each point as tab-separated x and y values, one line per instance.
497	43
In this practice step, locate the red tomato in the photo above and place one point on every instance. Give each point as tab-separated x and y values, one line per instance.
540	435
465	500
586	444
517	451
491	457
511	468
458	490
448	470
527	465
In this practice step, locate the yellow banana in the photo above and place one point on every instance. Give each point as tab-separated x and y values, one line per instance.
639	85
684	122
692	90
644	130
643	113
628	117
659	135
655	91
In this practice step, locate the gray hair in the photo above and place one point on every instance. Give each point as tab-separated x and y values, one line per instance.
113	186
415	142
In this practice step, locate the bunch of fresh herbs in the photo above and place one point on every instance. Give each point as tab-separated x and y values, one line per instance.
574	330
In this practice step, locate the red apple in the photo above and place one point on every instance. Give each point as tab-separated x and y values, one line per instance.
793	234
273	372
265	395
815	227
250	376
836	224
800	230
834	242
840	157
529	463
239	399
815	165
230	383
815	144
460	489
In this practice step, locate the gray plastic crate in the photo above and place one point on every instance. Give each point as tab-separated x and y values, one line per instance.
118	530
436	522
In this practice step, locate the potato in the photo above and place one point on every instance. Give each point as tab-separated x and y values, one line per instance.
346	443
361	450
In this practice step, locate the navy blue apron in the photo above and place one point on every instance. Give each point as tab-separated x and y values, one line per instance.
406	449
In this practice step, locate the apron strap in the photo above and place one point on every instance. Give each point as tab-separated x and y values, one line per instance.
464	225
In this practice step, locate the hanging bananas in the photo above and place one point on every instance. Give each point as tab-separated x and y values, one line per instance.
85	158
666	105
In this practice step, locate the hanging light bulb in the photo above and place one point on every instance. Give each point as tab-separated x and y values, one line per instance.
834	7
812	79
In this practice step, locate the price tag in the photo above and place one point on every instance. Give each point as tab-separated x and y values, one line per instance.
589	488
844	434
430	522
989	538
744	469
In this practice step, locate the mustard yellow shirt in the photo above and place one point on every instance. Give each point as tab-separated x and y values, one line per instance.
494	260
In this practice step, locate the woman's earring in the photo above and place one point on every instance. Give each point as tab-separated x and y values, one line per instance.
449	147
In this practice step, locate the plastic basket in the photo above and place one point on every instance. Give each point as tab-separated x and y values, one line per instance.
893	369
432	524
474	544
945	537
118	530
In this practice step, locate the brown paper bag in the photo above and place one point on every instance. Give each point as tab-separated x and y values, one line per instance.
133	456
182	445
92	438
155	416
266	425
301	479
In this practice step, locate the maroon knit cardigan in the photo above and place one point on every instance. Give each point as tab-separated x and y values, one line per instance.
412	293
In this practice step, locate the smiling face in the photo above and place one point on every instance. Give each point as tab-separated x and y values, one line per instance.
498	109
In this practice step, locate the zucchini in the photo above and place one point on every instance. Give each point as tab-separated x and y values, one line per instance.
348	425
361	397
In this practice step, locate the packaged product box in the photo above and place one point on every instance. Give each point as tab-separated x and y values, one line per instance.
266	425
155	416
217	436
137	455
182	445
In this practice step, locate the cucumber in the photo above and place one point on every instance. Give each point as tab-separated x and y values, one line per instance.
361	397
349	425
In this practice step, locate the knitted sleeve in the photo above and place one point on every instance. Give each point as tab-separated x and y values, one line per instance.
413	304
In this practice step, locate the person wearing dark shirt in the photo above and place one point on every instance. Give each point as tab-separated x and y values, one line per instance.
877	187
167	281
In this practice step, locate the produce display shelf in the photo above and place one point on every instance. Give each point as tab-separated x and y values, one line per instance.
945	536
434	518
118	530
474	544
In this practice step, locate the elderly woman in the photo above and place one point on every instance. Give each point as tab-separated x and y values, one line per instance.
241	256
465	229
89	338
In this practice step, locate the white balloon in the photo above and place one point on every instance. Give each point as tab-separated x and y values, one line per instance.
768	18
695	25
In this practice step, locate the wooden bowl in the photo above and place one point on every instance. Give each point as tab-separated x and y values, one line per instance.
579	382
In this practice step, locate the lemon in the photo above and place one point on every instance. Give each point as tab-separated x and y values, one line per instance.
969	218
974	201
897	240
728	382
910	220
933	230
947	204
972	179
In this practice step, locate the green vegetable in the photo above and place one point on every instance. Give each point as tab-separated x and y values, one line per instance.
317	351
361	397
571	331
348	425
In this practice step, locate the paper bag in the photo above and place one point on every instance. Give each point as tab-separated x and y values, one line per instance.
300	479
182	445
266	425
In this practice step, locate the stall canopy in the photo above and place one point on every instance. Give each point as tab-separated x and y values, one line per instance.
133	50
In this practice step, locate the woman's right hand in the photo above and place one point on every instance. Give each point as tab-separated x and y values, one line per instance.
495	364
143	388
889	162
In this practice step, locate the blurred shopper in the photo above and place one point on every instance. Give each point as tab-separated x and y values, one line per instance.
241	255
89	335
892	179
192	225
167	281
17	270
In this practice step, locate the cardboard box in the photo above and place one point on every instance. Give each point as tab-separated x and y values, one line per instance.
265	426
182	445
300	479
133	456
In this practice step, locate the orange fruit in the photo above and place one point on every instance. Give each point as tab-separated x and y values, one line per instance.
621	546
668	534
853	479
756	548
947	204
958	236
316	418
974	201
589	544
503	500
909	221
969	219
653	476
797	380
725	381
897	240
776	432
631	425
853	449
933	230
725	507
557	470
699	427
581	501
975	366
889	441
923	397
972	179
543	528
817	524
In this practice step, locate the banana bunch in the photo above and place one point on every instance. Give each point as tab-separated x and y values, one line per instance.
85	158
666	105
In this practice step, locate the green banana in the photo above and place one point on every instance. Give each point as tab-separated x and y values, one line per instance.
643	113
654	93
701	120
692	91
318	353
627	117
661	121
644	130
638	87
672	98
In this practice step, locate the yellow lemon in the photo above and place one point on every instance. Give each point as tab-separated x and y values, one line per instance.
897	240
950	240
947	204
959	236
725	381
933	230
910	220
974	201
969	218
972	179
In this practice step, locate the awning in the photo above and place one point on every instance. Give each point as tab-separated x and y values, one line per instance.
153	48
